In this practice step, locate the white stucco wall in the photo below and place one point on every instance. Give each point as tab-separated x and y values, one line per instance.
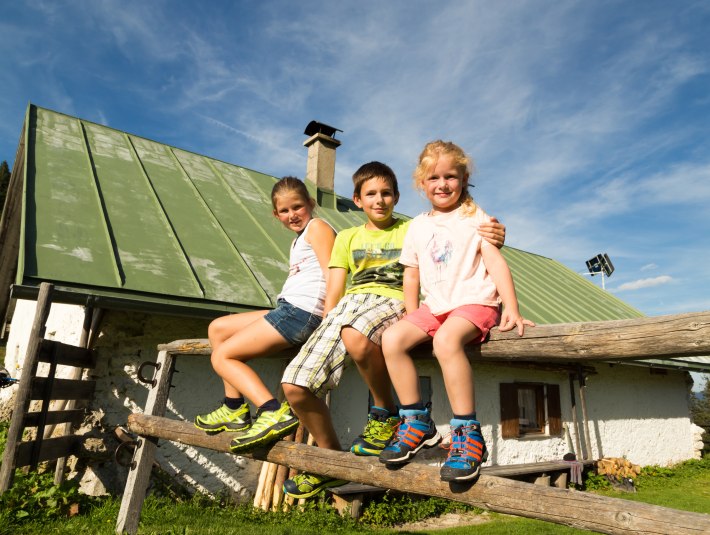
632	413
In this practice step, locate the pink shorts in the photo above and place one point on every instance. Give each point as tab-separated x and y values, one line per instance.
482	316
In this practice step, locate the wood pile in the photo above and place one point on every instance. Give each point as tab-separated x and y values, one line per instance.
618	468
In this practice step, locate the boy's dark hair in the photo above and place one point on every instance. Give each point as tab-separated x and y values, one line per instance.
375	170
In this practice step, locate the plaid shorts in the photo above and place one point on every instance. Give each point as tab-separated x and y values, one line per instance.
320	363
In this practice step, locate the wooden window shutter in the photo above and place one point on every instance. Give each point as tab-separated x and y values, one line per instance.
509	421
554	412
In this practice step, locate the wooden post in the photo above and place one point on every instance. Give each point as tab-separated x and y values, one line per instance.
562	506
585	420
92	319
575	423
139	474
22	397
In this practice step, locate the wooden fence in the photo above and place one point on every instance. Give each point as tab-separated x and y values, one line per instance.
658	337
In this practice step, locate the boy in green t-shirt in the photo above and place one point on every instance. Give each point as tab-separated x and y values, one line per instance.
353	323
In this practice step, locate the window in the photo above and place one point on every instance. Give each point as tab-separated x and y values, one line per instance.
530	409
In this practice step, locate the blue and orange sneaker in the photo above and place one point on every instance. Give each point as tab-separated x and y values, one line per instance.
416	431
466	453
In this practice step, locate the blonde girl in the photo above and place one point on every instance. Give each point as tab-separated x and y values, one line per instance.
238	338
463	279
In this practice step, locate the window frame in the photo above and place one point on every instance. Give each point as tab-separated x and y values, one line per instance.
548	410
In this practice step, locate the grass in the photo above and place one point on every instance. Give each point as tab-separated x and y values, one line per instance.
685	487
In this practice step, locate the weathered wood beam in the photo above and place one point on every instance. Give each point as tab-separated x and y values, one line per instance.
641	338
562	506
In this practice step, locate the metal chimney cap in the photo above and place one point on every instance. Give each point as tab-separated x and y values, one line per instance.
314	127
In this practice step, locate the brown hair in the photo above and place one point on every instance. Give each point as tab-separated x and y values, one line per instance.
288	184
374	170
428	158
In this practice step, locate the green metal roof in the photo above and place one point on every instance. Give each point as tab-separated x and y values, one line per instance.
138	224
549	292
122	217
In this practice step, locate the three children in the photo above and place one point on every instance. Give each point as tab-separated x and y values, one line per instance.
452	255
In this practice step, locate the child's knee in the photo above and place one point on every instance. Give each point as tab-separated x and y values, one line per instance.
358	346
295	394
390	342
444	346
215	331
216	359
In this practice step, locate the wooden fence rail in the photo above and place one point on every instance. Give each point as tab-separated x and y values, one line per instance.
562	506
635	339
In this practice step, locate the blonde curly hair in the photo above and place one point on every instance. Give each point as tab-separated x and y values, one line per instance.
427	160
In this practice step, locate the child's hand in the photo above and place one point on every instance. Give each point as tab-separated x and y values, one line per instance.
493	232
512	318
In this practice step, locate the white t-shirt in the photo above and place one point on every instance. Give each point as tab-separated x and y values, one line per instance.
305	286
447	250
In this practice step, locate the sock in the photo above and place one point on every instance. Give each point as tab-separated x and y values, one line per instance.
380	414
418	406
233	403
471	416
271	405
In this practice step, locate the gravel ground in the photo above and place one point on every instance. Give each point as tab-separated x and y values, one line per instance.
449	520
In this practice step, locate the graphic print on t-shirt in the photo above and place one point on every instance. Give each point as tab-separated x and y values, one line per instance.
386	270
440	251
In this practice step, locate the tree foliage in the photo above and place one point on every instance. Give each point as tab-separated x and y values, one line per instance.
700	406
4	182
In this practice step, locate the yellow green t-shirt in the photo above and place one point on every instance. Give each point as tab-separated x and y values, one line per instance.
372	259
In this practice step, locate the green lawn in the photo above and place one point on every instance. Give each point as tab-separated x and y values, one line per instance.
685	487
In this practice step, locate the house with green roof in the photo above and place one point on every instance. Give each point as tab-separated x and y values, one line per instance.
161	240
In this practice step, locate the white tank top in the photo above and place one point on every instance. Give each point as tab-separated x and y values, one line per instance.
305	285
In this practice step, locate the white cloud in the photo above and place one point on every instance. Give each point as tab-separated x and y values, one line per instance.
649	267
644	283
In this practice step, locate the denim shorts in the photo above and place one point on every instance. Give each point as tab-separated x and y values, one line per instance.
293	323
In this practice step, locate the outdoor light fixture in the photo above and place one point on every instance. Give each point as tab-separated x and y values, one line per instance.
600	265
314	127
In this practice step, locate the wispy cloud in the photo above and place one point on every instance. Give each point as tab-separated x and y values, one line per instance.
587	120
643	283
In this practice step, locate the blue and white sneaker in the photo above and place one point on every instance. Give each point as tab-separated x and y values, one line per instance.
416	431
466	453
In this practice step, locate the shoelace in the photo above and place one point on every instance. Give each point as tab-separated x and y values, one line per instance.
457	447
373	428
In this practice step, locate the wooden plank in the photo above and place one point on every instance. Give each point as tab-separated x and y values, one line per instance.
22	396
528	468
62	388
562	506
54	417
139	475
354	488
67	355
92	321
634	339
50	449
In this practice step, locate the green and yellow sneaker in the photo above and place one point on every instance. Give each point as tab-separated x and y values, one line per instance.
268	427
306	485
224	419
378	433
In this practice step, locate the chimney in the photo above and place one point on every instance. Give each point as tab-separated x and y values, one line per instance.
320	169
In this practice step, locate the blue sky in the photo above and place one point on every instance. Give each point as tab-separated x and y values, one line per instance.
588	121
